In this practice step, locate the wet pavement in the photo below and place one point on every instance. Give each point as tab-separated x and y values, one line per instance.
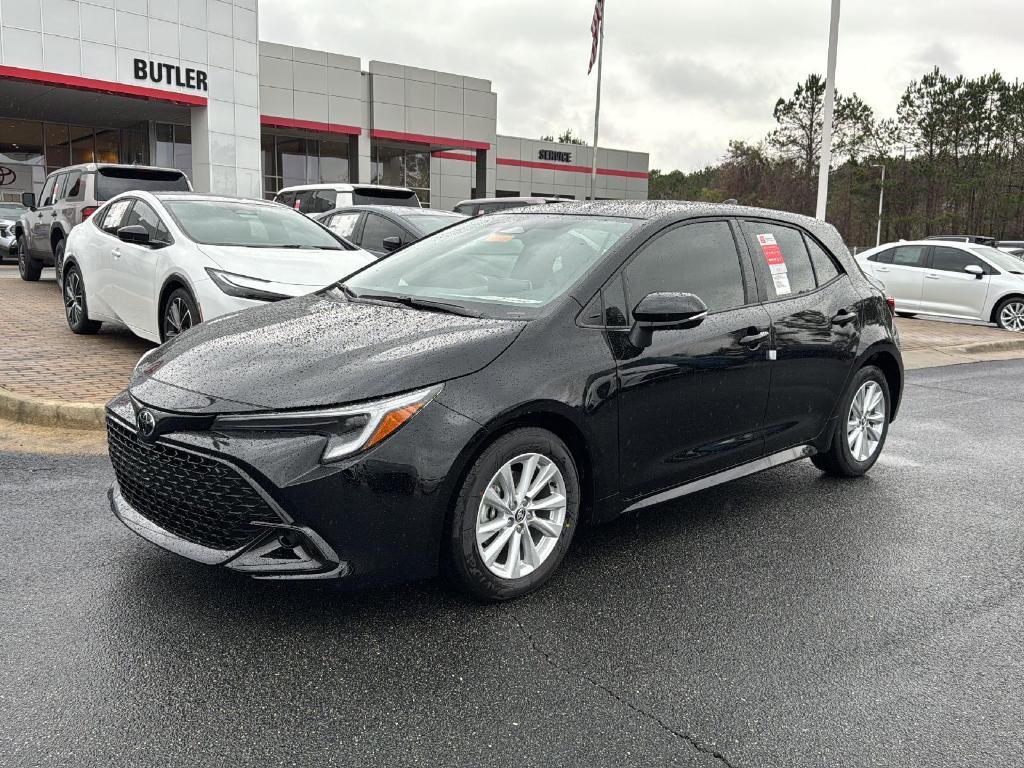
783	620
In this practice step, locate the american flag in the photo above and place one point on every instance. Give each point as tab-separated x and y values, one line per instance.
595	30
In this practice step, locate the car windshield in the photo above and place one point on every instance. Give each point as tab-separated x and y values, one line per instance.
1001	259
428	223
111	182
252	225
12	209
513	263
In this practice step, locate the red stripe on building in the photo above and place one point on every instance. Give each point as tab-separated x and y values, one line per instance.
454	156
273	121
571	168
419	138
101	86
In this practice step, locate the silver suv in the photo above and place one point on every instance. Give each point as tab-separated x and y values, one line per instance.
69	197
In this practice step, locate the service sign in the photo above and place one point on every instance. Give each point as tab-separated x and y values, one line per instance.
551	154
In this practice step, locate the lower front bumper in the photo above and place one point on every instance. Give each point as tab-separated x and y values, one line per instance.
284	552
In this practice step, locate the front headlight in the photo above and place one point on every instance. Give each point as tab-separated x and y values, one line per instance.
349	430
244	287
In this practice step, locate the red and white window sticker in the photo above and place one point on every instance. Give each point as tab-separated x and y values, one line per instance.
776	263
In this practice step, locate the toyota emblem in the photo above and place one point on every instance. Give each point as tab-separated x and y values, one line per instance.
7	176
147	423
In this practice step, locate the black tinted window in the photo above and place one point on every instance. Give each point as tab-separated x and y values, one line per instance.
371	196
909	255
825	267
375	230
144	216
696	258
286	198
954	260
885	257
321	201
784	256
615	313
74	187
111	182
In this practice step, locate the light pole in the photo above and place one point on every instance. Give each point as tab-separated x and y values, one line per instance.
881	198
826	126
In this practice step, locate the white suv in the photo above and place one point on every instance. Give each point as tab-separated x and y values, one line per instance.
320	198
963	280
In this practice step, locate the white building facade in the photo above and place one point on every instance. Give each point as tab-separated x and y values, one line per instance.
187	83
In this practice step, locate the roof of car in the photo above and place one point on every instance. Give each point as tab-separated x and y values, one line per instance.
87	167
656	209
535	198
397	210
340	187
189	195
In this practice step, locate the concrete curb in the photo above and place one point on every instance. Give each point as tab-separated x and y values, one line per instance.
1010	345
51	413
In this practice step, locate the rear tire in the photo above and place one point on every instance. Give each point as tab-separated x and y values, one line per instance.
1010	314
863	426
512	546
76	310
28	268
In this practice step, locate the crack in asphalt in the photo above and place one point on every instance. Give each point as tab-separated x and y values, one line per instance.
691	740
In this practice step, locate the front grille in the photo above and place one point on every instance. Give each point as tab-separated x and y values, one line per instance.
192	496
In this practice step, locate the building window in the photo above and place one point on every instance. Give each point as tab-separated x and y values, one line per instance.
174	147
290	161
397	167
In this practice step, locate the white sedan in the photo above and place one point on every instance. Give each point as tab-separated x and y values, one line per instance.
162	262
964	280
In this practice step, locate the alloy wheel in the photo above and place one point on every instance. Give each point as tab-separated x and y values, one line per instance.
521	516
74	298
866	421
1011	316
177	318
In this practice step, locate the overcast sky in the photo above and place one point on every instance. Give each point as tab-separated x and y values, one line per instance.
681	78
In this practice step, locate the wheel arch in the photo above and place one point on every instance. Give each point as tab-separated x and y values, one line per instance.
172	282
886	357
998	303
56	235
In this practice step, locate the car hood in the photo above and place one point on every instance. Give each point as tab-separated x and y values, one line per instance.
315	350
311	268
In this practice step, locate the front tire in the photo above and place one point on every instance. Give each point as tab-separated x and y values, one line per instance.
76	310
179	313
30	269
863	426
1010	314
515	515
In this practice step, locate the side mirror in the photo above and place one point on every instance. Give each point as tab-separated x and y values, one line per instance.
975	270
28	199
665	311
392	243
134	233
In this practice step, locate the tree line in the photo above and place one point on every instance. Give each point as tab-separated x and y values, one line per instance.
953	154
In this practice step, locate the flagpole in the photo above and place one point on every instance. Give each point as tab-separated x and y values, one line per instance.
597	106
825	163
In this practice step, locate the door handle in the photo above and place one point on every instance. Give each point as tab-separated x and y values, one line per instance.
932	276
116	253
754	339
881	269
843	318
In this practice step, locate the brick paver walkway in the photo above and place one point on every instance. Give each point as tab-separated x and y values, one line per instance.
41	357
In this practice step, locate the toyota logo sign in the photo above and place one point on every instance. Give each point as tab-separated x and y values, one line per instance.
147	423
7	176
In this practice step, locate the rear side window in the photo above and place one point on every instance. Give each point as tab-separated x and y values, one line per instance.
885	257
695	258
344	224
111	182
322	201
285	198
825	268
75	186
909	255
783	255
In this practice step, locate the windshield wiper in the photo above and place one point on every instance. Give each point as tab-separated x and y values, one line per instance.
413	302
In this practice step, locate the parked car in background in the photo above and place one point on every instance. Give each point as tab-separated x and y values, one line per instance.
9	215
1006	245
69	197
464	403
321	198
381	229
161	262
976	239
965	280
481	205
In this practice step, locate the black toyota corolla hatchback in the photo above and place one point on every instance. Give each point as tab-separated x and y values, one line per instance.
466	402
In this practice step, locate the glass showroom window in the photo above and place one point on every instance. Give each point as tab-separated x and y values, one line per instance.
289	161
402	168
174	147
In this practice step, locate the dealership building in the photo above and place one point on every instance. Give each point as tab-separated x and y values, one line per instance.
188	83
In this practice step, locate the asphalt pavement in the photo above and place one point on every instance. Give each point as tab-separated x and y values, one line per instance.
783	620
